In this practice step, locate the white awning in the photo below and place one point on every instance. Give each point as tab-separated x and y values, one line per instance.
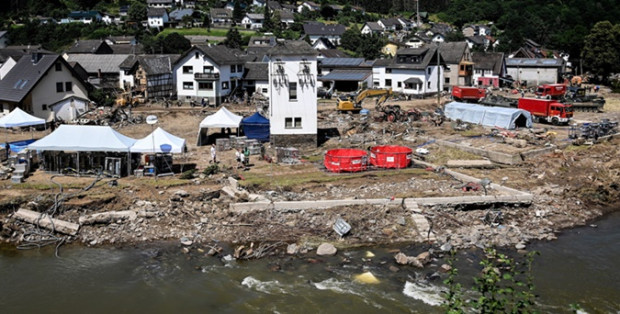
84	138
221	119
18	117
159	141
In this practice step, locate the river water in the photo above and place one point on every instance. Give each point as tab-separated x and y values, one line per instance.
579	268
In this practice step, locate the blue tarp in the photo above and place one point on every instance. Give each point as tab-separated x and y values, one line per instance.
256	127
507	118
17	146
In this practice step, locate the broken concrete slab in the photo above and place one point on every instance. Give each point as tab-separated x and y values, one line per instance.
108	217
44	221
461	163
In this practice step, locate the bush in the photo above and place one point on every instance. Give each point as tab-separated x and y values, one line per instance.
212	169
188	175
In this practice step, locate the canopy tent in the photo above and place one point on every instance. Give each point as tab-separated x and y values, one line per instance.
84	138
18	118
256	127
507	118
159	141
221	119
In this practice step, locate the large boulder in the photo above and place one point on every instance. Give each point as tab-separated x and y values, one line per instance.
326	249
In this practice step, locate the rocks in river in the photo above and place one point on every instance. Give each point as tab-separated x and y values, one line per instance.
403	259
520	246
446	247
424	258
326	249
186	241
292	249
444	268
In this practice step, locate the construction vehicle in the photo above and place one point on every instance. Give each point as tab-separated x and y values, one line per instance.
350	103
468	94
551	91
547	110
129	98
499	101
581	101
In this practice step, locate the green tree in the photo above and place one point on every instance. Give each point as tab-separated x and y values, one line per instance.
206	22
176	43
137	12
238	12
600	52
267	21
233	39
351	39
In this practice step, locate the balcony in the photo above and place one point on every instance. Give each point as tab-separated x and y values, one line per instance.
206	76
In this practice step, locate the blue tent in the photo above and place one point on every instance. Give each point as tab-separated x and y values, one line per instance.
256	127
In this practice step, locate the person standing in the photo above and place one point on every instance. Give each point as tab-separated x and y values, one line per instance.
213	154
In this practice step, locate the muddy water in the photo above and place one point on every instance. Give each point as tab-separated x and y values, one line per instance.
580	267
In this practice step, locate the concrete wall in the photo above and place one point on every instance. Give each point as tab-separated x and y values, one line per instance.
301	141
69	109
534	76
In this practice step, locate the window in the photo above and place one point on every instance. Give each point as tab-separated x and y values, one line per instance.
207	69
44	107
205	86
59	86
447	68
428	71
388	70
68	87
197	55
400	84
292	91
297	124
447	80
240	68
288	123
224	85
462	67
264	91
233	69
58	67
388	82
375	83
188	85
188	69
428	84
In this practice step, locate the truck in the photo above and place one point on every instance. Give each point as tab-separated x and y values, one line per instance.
551	91
548	110
353	103
468	94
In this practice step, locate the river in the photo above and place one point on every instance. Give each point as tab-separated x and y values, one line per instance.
578	268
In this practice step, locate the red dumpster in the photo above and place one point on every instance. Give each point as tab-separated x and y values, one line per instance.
346	159
390	156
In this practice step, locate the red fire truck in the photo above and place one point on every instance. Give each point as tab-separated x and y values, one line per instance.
468	94
547	110
551	91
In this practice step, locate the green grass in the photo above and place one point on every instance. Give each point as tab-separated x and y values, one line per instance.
165	182
51	186
204	32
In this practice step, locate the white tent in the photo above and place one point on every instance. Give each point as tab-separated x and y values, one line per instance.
221	119
159	141
507	118
18	118
84	138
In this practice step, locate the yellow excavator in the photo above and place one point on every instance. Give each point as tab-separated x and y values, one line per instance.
347	103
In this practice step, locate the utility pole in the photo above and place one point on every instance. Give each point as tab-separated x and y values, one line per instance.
417	12
438	77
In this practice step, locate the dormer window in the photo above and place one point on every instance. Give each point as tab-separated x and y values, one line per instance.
197	54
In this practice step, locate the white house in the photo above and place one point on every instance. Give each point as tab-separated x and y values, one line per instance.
160	3
253	21
293	94
413	72
38	81
157	17
309	5
256	78
85	17
372	28
332	32
208	72
110	19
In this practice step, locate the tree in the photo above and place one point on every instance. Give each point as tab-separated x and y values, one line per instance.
137	12
267	21
238	12
600	52
176	43
351	39
233	39
327	12
206	22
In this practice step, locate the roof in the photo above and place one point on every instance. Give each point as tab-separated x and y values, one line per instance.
452	52
374	26
158	1
292	48
477	40
255	16
220	13
121	39
333	53
223	118
341	62
506	118
440	28
488	61
219	54
322	29
427	53
154	65
346	75
274	5
24	76
536	62
126	49
262	41
129	62
413	80
326	43
95	63
178	14
256	71
286	15
390	22
382	62
16	52
82	14
80	138
89	46
156	12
